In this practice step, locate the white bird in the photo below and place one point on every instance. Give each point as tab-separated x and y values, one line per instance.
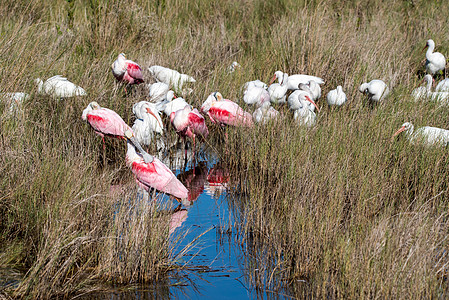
170	105
294	99
303	112
423	91
278	91
376	90
435	61
14	100
256	95
255	83
59	87
158	91
312	88
336	97
147	123
171	77
443	86
429	136
265	113
296	79
235	65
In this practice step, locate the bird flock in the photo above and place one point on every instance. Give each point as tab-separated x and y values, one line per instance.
300	92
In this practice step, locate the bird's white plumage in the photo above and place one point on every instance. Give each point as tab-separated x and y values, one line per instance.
435	61
256	95
336	97
171	77
423	91
254	83
158	91
376	89
59	87
296	79
170	105
443	86
265	113
278	90
429	136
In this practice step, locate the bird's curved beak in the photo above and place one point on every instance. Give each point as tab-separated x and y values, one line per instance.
398	132
272	79
151	113
311	101
424	47
433	82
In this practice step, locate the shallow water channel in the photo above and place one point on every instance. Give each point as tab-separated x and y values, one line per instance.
215	265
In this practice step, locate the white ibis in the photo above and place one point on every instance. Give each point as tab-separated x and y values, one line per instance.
336	97
435	61
59	87
171	77
376	90
429	136
278	90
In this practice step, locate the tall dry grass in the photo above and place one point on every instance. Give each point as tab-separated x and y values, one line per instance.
336	211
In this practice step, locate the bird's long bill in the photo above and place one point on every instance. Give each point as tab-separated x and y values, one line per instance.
398	132
146	157
272	79
314	104
424	48
151	113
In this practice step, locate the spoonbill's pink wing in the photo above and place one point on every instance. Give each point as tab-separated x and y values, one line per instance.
135	71
159	176
107	122
228	112
197	123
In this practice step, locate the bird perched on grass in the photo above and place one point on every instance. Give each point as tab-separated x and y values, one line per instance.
171	77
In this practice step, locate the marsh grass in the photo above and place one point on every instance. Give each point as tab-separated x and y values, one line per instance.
335	211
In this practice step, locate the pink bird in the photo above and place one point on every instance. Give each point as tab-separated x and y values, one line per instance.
107	122
154	174
189	123
225	112
126	70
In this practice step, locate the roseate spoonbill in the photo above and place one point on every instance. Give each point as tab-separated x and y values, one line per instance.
423	91
170	105
435	61
255	83
278	90
59	87
171	77
158	91
265	113
107	122
256	95
336	97
154	174
147	123
126	70
443	86
225	112
376	90
189	123
234	66
429	136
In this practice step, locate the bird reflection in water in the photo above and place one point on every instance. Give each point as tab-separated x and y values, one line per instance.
194	180
218	180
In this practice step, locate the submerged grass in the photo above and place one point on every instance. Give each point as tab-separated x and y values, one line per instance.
335	211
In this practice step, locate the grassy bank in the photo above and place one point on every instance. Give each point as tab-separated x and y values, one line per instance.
339	207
